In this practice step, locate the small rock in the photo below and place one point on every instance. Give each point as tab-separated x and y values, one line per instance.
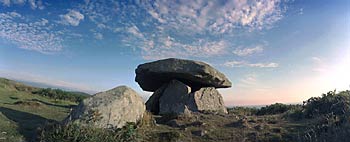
258	127
197	124
173	123
200	133
277	130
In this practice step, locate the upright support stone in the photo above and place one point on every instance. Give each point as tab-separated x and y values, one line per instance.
207	99
174	98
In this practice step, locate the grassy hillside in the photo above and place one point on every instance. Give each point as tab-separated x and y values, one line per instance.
22	111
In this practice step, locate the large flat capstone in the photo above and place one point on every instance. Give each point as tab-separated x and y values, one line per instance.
151	76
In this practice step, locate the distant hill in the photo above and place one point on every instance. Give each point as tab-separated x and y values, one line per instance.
44	85
53	93
37	85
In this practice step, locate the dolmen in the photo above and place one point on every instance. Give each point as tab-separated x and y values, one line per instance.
182	86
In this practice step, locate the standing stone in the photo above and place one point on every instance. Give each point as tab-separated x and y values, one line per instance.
174	98
207	99
110	109
152	104
151	76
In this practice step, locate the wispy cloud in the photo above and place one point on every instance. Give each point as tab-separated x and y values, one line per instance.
319	65
72	18
247	64
169	47
36	35
316	59
248	81
183	28
160	28
34	4
5	2
98	36
248	51
214	16
135	31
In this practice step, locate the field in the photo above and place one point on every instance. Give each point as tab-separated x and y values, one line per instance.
22	112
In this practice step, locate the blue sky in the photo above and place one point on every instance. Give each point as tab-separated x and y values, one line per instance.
272	50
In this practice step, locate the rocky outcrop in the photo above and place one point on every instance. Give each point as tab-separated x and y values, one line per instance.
151	76
110	109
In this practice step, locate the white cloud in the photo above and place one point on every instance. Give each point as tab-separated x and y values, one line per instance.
213	16
319	65
135	31
98	36
37	35
316	59
164	28
264	65
169	47
72	18
5	2
247	64
248	80
34	4
248	51
234	64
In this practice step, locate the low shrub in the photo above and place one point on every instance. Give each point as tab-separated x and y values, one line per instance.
329	115
331	102
61	95
242	111
75	132
276	108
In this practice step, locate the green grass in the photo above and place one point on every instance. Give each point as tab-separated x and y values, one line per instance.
21	112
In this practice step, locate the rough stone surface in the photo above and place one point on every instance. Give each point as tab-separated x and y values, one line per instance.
152	104
174	98
151	76
110	109
207	99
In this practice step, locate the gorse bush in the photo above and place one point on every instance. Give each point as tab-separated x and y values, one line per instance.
331	115
60	94
242	111
331	102
276	108
328	128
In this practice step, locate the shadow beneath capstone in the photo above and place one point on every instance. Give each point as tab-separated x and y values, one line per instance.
27	122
